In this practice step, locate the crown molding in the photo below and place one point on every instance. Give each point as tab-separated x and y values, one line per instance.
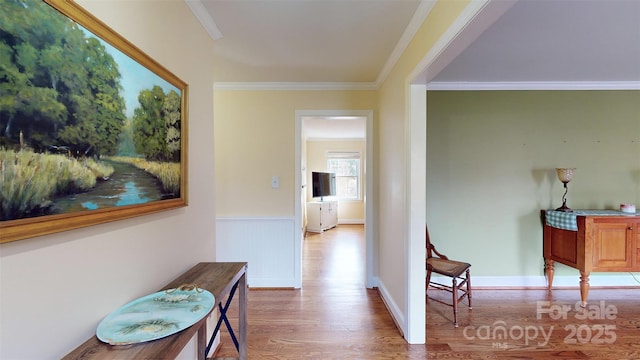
453	86
474	19
207	22
296	86
536	85
410	31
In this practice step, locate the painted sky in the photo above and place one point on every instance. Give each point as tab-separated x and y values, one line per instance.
135	77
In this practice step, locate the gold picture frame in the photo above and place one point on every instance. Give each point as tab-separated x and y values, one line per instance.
81	97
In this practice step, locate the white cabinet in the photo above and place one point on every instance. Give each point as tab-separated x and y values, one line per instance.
321	215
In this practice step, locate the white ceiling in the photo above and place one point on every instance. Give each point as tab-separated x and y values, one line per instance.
555	41
358	41
303	40
334	127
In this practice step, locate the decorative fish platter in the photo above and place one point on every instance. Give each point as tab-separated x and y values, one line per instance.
156	315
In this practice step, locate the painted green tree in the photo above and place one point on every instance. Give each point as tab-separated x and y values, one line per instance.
59	87
156	125
172	116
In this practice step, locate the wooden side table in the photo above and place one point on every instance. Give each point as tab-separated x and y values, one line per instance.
222	280
593	241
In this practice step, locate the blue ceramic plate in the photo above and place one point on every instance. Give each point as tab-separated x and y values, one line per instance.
155	316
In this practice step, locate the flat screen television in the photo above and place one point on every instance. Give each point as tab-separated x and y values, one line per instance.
323	184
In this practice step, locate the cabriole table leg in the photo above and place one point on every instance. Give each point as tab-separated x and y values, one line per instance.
548	271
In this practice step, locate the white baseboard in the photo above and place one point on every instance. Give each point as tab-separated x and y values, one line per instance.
595	280
397	315
601	280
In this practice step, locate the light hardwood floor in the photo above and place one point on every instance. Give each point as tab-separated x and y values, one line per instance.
334	316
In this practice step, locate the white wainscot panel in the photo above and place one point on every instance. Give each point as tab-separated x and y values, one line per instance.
266	244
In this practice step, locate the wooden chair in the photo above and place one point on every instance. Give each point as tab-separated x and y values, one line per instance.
456	270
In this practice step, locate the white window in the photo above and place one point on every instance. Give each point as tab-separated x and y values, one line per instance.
346	166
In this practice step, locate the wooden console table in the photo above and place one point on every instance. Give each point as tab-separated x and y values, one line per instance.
591	241
222	280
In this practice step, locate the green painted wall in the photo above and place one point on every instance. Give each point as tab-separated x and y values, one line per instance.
491	159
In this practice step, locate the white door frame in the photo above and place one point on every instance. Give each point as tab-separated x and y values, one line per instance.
473	20
371	255
416	183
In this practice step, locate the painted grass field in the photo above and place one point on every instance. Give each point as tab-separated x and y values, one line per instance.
29	180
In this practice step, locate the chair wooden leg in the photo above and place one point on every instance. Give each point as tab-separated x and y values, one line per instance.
426	289
469	287
455	302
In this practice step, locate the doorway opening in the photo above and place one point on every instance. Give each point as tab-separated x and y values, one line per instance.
343	131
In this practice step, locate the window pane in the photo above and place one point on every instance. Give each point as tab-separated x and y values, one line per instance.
347	187
347	176
344	167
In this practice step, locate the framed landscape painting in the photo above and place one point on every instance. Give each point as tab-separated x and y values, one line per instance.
92	129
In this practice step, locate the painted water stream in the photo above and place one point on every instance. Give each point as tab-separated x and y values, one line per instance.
128	185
